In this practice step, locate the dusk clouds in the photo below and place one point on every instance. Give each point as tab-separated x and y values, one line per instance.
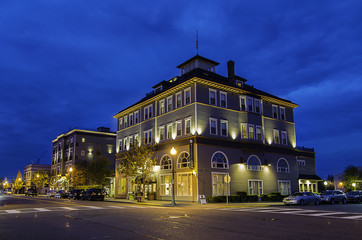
67	64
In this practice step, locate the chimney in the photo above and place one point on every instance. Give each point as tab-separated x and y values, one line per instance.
231	71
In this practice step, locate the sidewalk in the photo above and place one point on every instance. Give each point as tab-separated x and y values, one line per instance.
194	204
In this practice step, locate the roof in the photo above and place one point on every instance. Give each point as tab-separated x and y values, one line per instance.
111	134
311	177
200	58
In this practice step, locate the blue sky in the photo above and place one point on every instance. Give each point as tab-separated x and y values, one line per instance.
67	64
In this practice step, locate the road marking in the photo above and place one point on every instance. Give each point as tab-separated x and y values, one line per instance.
69	208
117	207
94	207
42	209
326	214
358	217
12	211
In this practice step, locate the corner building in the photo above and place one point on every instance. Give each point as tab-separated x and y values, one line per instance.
223	130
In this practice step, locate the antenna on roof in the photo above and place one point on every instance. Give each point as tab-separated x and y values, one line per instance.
197	42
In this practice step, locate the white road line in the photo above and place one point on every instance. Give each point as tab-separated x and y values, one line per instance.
69	208
326	214
12	211
136	207
353	217
117	207
42	209
297	212
94	207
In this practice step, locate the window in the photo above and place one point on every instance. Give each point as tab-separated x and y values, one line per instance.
82	153
224	128
284	187
120	123
162	132
213	126
148	112
183	160
242	103
148	136
125	121
169	131
131	119
244	133
251	131
257	105
162	106
301	162
178	99
136	117
125	144
188	126
130	141
223	99
250	104
184	184
187	96
169	103
255	187
137	138
275	111
276	136
219	185
83	140
166	163
179	128
120	145
165	182
282	113
259	134
283	166
212	97
219	160
284	137
254	163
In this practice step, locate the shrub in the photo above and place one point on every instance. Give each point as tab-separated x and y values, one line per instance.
234	198
252	198
243	196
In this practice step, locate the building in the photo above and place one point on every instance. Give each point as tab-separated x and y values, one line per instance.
29	175
79	145
229	137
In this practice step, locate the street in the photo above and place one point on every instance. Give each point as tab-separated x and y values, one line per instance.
41	218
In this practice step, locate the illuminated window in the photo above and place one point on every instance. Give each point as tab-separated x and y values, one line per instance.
165	185
250	104
162	132
166	163
184	184
178	100
212	97
187	96
219	160
162	106
284	137
275	111
179	128
131	119
183	160
244	133
219	185
136	117
223	99
276	136
255	187
120	123
283	166
125	121
169	104
259	133
224	128
251	131
254	163
282	113
257	105
188	126
242	103
213	126
147	136
83	140
169	131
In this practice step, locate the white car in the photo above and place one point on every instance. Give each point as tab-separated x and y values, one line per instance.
51	193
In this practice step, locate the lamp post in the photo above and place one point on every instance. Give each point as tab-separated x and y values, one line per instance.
173	152
70	177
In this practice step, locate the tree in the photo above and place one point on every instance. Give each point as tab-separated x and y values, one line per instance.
5	183
18	183
138	162
330	178
80	175
40	179
1	181
99	171
351	175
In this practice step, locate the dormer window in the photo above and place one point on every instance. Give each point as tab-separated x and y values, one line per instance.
158	89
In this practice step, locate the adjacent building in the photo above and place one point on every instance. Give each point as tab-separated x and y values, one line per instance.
228	135
29	175
80	145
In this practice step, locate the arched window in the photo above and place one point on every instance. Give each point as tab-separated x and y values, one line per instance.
166	163
183	160
254	163
219	160
283	166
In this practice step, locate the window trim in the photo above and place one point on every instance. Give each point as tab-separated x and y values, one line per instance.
170	184
285	181
131	119
178	123
257	101
286	137
226	99
253	127
210	120
167	133
256	180
159	132
280	113
215	92
227	128
226	158
136	117
279	168
179	158
241	105
276	115
212	182
147	140
247	104
258	169
187	120
185	93
276	131
246	130
177	187
160	108
167	105
176	102
256	132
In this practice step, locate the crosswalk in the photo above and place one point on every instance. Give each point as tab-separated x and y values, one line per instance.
299	211
68	208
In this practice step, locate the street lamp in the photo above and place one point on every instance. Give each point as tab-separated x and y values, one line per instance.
173	153
70	177
354	186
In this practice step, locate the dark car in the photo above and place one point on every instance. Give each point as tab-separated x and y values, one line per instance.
75	194
334	196
31	192
354	196
93	194
61	194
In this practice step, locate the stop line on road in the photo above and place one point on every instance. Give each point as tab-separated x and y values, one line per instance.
299	211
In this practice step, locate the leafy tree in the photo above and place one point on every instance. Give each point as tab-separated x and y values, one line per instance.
139	162
80	175
40	179
330	178
5	183
351	175
18	183
1	181
98	170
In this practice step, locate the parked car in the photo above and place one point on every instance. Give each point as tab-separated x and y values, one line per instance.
51	193
31	192
93	194
302	198
354	196
61	194
7	191
334	196
75	194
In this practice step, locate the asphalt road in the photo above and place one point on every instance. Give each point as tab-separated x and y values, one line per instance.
36	218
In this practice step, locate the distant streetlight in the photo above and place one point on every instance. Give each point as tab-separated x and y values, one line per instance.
325	183
70	177
354	186
173	153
